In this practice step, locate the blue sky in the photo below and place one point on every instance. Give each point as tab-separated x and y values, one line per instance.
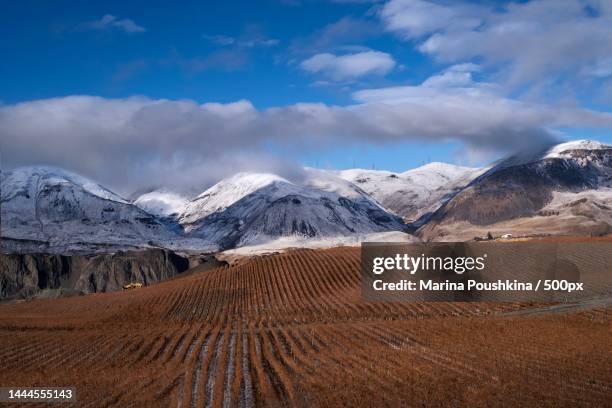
53	54
164	88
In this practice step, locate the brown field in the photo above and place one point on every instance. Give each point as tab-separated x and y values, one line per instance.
291	329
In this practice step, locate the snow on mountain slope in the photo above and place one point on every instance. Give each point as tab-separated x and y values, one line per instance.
22	181
563	189
162	203
436	174
563	150
225	193
562	185
332	183
254	208
63	210
66	210
415	193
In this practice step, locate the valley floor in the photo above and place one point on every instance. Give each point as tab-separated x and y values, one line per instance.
291	330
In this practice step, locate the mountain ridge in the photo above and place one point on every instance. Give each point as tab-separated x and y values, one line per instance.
416	193
320	206
560	189
568	183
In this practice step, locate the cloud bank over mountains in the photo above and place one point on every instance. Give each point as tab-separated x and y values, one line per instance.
488	60
125	141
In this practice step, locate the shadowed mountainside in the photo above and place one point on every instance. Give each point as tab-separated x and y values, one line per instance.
571	189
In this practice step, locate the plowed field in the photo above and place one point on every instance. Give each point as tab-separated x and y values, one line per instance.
291	329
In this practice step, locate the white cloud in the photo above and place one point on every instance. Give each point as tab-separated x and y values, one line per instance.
538	39
415	18
456	75
220	39
127	143
454	81
251	38
109	21
601	68
349	66
224	40
260	42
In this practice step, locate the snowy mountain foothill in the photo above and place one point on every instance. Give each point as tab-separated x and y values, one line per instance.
53	210
414	194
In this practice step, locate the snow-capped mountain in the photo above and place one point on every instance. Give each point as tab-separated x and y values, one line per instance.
66	210
416	193
223	194
566	188
249	209
563	189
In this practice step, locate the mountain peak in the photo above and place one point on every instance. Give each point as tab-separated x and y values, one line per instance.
243	183
584	144
226	192
440	168
30	177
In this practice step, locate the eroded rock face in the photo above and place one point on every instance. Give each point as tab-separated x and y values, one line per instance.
29	275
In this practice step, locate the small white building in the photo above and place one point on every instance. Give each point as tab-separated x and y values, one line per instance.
506	236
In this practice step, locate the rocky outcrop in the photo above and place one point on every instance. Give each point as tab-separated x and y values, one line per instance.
29	275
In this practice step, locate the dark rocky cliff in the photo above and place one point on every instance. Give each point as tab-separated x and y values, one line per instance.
29	275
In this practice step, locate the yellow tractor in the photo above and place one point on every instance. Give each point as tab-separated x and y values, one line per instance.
135	285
